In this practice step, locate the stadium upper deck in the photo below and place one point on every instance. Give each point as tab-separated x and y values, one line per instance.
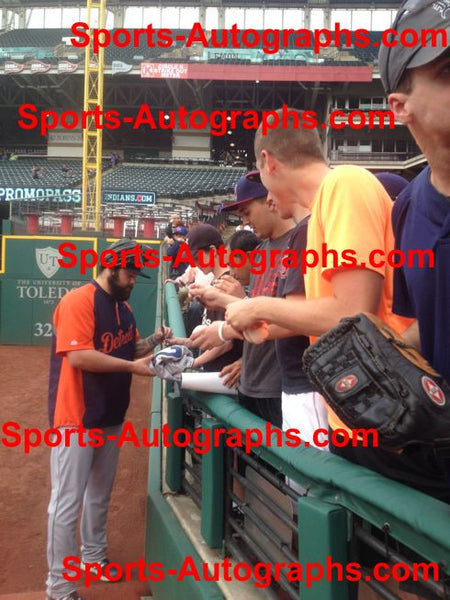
52	45
45	70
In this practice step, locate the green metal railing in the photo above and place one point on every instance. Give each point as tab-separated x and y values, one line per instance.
165	539
340	494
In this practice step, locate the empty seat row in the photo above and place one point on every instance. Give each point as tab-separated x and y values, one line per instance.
167	182
51	173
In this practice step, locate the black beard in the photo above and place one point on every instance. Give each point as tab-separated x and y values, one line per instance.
118	292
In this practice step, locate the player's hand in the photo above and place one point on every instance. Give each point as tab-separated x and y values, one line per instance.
207	337
243	314
143	367
229	285
231	373
161	334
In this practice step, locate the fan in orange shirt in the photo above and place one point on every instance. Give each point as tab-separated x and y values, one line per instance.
351	211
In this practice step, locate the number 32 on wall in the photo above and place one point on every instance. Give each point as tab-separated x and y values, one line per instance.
43	330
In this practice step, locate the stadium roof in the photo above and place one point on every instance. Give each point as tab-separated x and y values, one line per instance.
209	3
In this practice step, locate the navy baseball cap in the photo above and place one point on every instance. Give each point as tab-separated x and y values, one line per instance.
248	187
418	15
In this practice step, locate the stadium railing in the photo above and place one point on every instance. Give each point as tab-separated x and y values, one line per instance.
300	506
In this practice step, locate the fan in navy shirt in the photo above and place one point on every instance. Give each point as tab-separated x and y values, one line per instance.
177	268
417	81
421	220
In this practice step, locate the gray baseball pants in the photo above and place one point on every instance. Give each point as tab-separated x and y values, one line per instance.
80	477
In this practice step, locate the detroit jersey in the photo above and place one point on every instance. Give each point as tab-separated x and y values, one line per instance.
88	318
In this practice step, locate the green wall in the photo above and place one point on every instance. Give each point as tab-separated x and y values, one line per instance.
32	282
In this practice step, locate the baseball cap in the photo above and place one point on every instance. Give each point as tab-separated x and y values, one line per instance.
128	244
392	183
248	187
417	15
203	236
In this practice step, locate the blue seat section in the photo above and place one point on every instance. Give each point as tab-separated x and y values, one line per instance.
19	173
173	182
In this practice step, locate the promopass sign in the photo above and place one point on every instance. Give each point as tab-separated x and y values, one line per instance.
32	194
139	198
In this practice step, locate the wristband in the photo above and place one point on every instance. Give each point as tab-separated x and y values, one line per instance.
220	331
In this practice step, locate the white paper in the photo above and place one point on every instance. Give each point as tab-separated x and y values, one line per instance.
206	382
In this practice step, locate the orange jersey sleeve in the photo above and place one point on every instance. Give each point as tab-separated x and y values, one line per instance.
74	321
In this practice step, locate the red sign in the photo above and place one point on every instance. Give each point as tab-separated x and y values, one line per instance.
256	72
164	70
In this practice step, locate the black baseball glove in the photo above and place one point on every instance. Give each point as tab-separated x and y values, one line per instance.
372	378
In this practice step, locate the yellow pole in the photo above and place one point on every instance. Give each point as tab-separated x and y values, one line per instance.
92	134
